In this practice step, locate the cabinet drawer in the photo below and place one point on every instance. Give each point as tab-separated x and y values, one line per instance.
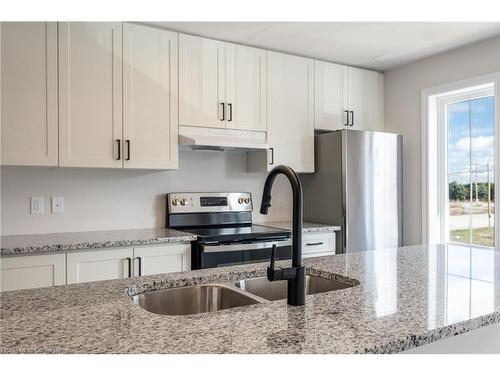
317	244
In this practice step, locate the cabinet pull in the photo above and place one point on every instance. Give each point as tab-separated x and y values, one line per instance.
230	108
346	117
223	112
128	149
140	265
272	155
314	243
119	142
352	118
129	260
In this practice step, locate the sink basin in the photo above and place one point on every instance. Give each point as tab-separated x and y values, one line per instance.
193	299
276	290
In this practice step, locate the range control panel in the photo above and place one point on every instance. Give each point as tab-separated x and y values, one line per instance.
208	202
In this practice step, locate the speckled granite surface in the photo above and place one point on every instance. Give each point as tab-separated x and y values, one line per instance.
43	243
406	297
306	226
56	242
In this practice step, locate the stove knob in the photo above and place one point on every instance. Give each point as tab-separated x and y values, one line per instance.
175	202
241	200
247	200
184	201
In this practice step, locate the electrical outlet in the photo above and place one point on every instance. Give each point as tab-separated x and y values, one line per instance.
36	205
57	205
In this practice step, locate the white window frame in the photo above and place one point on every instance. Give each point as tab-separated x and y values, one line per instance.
442	156
434	212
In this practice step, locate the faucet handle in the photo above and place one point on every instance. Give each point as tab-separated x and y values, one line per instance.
272	273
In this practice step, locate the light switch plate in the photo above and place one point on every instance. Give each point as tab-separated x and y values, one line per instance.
36	205
57	205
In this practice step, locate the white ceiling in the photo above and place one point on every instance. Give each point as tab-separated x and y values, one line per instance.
373	45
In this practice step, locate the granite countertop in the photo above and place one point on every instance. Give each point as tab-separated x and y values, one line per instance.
54	242
406	297
307	227
26	244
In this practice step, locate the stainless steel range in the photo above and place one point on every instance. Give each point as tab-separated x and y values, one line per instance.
223	224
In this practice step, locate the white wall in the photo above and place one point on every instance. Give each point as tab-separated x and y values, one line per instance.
98	199
403	88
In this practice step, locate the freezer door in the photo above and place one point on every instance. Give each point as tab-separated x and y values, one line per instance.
372	176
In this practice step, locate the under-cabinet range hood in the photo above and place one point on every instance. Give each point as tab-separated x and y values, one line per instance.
196	138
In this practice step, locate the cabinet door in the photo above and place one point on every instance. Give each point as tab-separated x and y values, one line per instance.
99	265
150	122
201	82
245	87
291	111
365	99
28	93
152	260
330	92
35	271
90	94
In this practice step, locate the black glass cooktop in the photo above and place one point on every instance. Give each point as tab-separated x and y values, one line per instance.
235	233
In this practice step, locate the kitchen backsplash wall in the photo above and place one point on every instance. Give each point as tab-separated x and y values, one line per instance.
99	199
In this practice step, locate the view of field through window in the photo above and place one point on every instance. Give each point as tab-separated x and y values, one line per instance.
471	179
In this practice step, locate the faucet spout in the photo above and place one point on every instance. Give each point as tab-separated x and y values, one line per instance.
296	274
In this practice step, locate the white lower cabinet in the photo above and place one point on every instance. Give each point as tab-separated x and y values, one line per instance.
127	262
34	271
99	265
152	260
318	244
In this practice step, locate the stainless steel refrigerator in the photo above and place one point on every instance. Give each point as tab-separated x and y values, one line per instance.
357	185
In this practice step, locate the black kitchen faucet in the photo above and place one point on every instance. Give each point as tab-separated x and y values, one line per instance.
296	275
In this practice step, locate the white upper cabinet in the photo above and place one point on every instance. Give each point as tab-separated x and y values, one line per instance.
28	93
365	99
150	122
347	97
245	87
90	94
330	96
290	117
221	85
201	82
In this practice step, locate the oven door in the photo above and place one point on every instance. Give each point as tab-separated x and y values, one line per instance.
220	255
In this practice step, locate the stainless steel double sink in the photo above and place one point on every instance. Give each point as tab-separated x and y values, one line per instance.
219	296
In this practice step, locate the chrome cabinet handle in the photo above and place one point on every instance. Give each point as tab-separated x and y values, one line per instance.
119	142
272	155
230	108
223	112
129	260
352	118
314	243
140	265
128	149
346	117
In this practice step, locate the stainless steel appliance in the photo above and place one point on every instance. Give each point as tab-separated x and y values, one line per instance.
357	184
224	229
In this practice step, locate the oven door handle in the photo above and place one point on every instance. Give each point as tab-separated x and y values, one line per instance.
244	246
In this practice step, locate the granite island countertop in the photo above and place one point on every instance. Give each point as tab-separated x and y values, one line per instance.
25	244
406	297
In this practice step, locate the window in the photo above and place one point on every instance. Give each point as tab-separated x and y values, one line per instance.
460	162
470	156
